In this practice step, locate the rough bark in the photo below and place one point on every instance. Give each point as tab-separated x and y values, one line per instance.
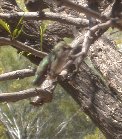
100	99
97	87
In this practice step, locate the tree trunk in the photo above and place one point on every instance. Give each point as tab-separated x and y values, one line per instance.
100	98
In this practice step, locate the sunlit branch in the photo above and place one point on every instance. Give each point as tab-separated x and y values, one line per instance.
89	12
85	43
18	74
21	46
63	18
16	96
84	10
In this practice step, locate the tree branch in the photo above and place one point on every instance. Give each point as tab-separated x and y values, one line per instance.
90	36
85	42
17	74
89	12
25	94
21	46
84	10
62	18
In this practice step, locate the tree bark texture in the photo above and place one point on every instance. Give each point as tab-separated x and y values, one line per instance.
100	99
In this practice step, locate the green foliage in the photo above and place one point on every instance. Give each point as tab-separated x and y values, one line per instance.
96	135
43	27
21	5
115	35
4	25
9	61
16	32
18	29
2	132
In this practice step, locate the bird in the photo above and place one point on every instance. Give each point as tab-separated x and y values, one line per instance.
50	67
61	51
52	63
42	70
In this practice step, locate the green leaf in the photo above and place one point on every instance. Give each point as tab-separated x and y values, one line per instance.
20	21
43	28
18	29
16	33
28	54
5	26
21	53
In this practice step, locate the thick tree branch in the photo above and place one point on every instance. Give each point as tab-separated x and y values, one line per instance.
25	94
82	9
62	18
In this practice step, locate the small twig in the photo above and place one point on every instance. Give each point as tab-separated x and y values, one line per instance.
22	46
63	125
88	40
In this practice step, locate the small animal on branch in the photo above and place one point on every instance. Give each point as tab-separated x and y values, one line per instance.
53	63
49	68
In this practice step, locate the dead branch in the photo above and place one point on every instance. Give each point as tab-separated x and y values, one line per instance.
62	18
18	74
25	94
90	12
88	39
82	9
85	42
